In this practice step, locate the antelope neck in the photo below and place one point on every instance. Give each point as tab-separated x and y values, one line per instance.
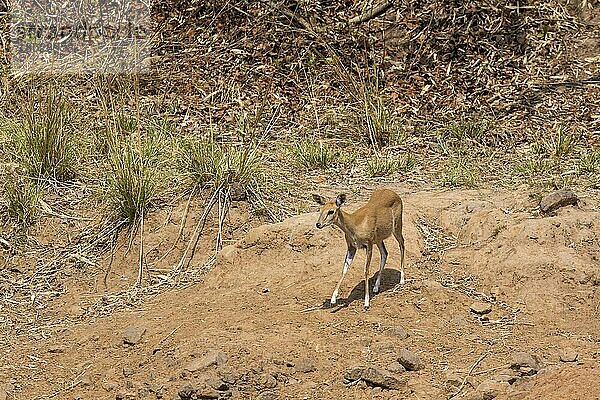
342	220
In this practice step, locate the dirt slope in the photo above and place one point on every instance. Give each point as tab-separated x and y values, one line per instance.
262	306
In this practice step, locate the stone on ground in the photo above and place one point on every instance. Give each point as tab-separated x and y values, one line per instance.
133	334
410	360
558	199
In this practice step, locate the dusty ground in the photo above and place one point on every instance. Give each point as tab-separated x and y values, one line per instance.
263	306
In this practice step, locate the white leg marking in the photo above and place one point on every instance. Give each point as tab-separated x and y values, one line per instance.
402	277
334	297
347	262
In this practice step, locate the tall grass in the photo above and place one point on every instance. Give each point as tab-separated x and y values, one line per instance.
313	155
44	140
135	172
22	198
211	164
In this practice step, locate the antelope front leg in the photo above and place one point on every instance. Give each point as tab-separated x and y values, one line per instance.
349	257
369	254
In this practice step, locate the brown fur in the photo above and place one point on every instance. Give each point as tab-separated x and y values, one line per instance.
371	224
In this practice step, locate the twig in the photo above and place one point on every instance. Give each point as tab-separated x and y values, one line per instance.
462	385
112	256
196	234
282	9
490	370
312	309
223	211
372	13
182	224
141	258
170	334
48	210
5	244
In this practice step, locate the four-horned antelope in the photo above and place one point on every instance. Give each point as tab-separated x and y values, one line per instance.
377	220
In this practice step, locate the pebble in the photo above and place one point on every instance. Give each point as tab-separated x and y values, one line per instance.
568	355
375	376
305	365
56	349
213	357
267	395
490	389
396	368
410	360
481	308
186	391
525	364
398	332
558	199
109	386
383	348
133	334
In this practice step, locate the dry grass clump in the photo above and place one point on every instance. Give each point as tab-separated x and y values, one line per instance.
313	154
43	139
137	166
22	198
208	163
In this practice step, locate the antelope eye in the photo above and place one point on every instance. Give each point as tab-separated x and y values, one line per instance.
329	212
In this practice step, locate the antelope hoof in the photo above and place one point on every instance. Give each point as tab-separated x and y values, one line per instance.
376	289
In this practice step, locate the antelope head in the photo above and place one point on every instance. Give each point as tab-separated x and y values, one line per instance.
329	209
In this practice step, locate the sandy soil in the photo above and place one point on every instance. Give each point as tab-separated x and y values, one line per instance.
264	306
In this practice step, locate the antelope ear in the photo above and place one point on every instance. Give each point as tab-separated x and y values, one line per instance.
341	199
319	199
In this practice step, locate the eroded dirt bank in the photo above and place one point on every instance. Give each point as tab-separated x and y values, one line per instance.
257	327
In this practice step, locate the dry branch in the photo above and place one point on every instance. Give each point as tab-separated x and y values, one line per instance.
372	13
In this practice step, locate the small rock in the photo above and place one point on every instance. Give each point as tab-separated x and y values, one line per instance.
305	365
490	389
453	378
133	334
383	348
568	355
506	375
206	392
219	385
56	349
481	308
267	395
186	391
127	372
109	386
525	363
125	396
397	332
527	371
410	360
375	377
210	359
86	381
396	368
268	381
228	377
558	199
